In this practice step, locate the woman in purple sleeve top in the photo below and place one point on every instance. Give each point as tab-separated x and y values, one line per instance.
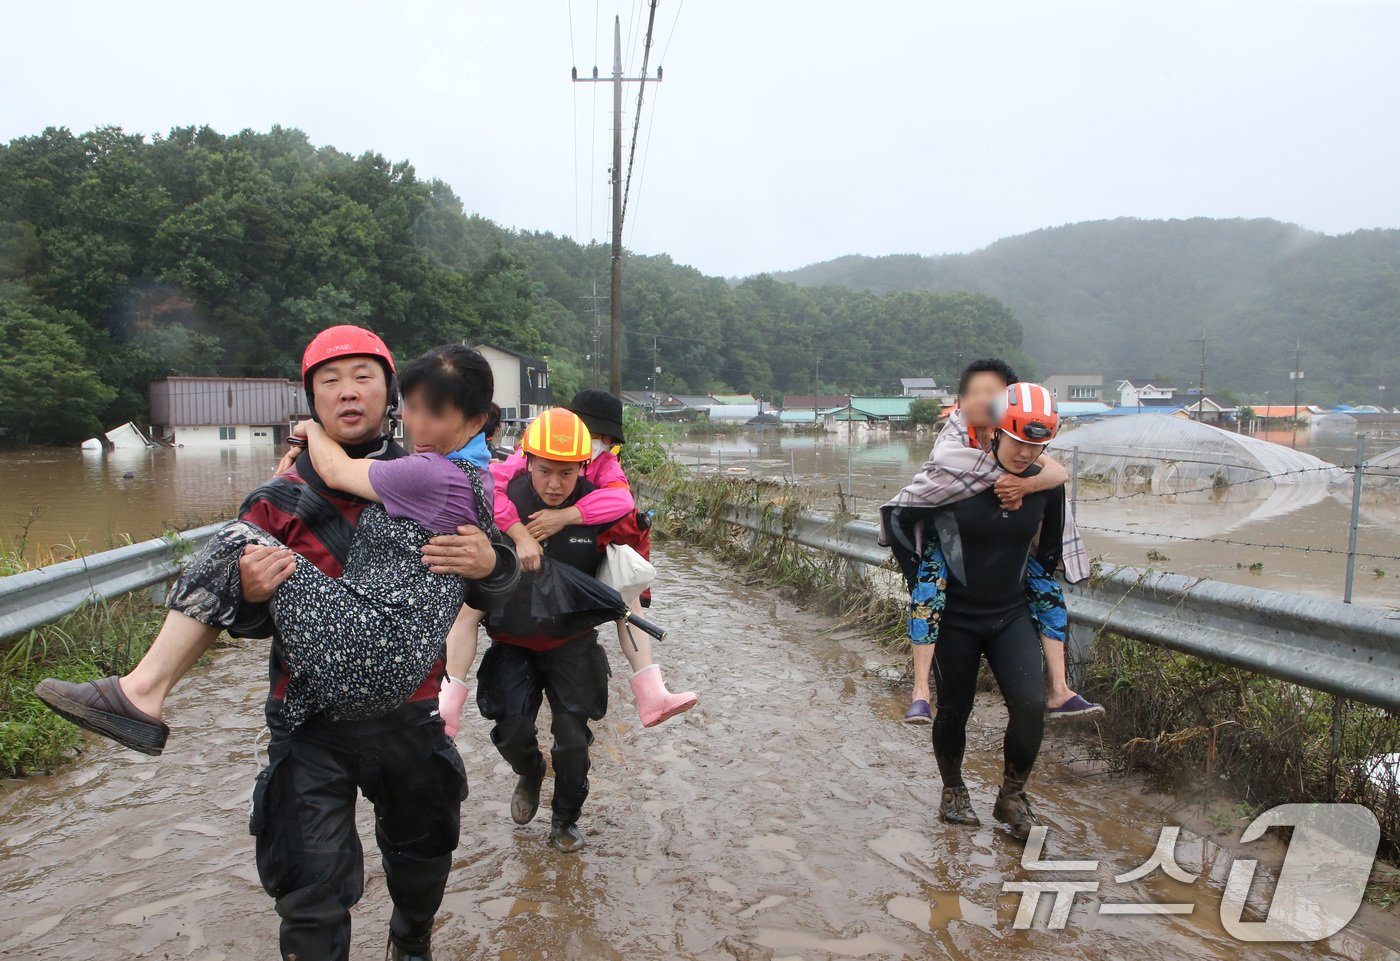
387	611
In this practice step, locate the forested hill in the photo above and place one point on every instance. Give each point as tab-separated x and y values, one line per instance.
1125	297
124	258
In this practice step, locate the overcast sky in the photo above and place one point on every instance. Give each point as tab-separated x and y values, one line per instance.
784	132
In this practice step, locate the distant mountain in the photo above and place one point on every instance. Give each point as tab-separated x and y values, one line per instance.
1127	297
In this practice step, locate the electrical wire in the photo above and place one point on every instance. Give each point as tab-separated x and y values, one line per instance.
593	150
641	90
573	94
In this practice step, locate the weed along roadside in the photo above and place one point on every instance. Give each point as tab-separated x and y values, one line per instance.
100	638
1232	742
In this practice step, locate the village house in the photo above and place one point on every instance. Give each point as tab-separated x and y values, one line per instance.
1146	394
224	411
1076	388
522	383
1210	410
926	387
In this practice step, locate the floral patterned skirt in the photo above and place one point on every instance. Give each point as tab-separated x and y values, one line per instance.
929	597
356	646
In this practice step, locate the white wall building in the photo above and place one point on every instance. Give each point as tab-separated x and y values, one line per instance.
224	411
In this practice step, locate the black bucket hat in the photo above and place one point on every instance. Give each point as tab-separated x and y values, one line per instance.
600	412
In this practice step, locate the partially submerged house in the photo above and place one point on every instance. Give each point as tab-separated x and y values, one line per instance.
224	411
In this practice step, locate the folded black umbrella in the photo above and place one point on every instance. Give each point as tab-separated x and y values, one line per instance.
566	601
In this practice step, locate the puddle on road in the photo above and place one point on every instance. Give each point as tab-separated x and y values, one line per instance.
789	816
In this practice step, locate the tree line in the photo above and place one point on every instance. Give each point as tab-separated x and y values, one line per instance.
1129	298
124	258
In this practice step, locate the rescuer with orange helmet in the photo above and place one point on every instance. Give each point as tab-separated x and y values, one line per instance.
532	658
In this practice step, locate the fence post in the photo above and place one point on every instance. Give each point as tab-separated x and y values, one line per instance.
1074	480
1358	473
850	494
719	452
792	465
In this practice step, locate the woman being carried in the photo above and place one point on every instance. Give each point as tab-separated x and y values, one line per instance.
359	645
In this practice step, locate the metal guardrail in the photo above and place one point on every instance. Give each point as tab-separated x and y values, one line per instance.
1344	649
34	598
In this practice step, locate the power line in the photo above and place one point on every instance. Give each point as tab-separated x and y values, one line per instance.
641	90
574	97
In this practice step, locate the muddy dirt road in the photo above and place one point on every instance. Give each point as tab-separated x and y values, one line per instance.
788	817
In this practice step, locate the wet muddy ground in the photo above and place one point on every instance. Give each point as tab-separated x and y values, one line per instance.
789	816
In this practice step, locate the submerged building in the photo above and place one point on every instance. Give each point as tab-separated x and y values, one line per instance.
224	411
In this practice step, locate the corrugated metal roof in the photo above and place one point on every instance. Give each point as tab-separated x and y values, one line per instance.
224	401
729	399
883	407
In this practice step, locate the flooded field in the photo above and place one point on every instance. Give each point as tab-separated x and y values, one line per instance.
1295	540
788	817
58	498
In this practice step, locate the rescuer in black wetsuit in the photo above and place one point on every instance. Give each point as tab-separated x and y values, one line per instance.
531	659
985	612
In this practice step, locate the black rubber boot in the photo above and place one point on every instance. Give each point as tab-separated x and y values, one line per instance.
565	836
525	802
396	953
1013	809
957	807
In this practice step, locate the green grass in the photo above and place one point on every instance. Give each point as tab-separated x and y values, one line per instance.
95	641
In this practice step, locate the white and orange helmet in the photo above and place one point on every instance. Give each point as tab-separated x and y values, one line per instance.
1027	412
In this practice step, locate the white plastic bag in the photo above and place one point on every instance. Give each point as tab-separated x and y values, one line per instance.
627	572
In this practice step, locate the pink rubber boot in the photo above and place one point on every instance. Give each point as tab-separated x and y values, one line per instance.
654	702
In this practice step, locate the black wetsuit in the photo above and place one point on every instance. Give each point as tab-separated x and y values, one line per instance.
986	615
527	663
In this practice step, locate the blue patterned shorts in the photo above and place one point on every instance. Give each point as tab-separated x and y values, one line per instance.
929	597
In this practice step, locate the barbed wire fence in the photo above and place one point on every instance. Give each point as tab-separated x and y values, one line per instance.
827	489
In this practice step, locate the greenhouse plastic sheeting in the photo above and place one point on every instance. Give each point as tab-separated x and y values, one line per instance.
1158	454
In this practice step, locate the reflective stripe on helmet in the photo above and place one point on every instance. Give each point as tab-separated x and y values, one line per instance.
558	434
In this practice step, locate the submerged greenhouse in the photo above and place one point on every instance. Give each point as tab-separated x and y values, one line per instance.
1166	455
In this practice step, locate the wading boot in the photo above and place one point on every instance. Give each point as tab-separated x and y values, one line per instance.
565	836
654	702
957	808
526	799
396	953
1013	809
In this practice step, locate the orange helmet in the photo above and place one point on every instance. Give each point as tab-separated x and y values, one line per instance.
1027	412
558	434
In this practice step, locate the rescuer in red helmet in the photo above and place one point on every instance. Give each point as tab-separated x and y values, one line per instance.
308	848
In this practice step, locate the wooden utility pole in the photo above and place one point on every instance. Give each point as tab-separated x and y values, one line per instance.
615	180
1201	400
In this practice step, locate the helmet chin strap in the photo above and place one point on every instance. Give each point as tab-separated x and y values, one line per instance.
996	456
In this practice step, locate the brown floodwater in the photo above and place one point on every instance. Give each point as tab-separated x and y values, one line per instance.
55	498
1294	540
790	816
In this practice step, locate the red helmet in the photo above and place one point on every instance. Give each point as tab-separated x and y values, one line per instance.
347	340
344	340
1027	412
